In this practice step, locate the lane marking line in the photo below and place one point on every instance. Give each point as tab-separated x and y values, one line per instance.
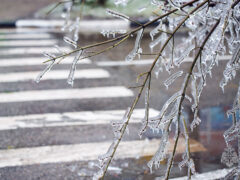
60	94
30	61
70	119
54	74
84	152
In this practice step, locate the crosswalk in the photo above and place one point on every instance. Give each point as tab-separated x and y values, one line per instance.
27	138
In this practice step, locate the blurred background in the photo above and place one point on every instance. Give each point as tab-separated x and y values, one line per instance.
50	130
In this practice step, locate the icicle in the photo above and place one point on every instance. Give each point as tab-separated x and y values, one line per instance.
113	32
161	38
183	162
136	48
66	15
49	55
184	82
39	77
161	152
230	134
117	14
191	166
118	125
236	55
155	42
155	30
70	41
172	78
76	31
98	175
194	93
158	67
188	98
146	116
73	68
196	120
58	50
104	159
186	53
171	100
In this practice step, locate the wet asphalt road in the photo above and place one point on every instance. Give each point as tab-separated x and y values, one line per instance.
133	168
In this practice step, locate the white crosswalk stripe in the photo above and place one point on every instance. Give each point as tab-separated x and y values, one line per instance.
146	61
30	50
25	36
70	119
76	152
211	175
27	30
84	152
30	43
31	61
61	94
54	74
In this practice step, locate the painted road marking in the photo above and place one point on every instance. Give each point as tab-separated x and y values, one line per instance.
84	26
60	94
29	61
26	36
30	50
86	152
212	175
70	119
54	74
39	42
27	30
145	61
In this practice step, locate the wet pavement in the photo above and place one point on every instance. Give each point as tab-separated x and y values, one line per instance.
31	125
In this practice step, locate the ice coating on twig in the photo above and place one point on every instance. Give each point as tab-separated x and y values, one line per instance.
66	15
49	66
49	55
146	116
185	54
70	79
196	120
161	152
137	49
113	32
155	31
70	41
172	78
118	132
117	14
161	38
59	51
161	121
230	71
76	29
